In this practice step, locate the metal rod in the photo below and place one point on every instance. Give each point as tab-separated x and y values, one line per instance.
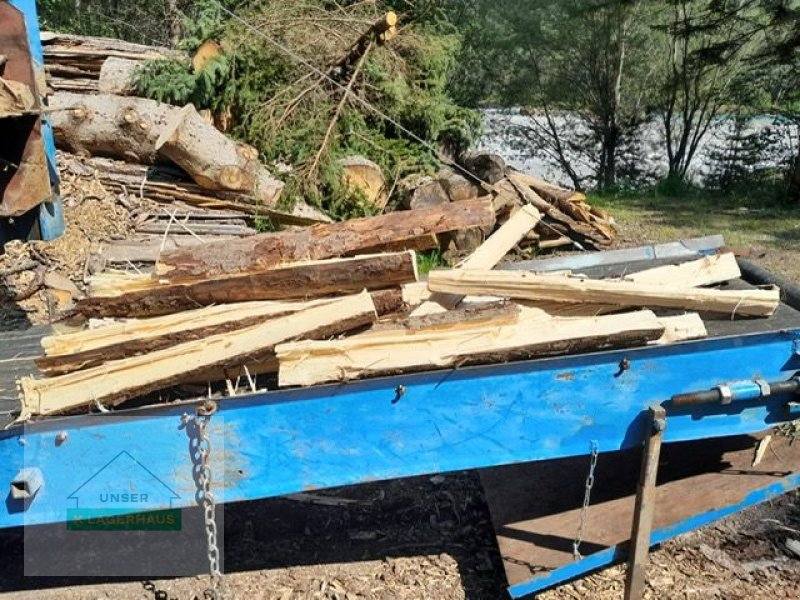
645	505
743	390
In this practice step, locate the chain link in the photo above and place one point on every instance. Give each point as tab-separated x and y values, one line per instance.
206	496
587	494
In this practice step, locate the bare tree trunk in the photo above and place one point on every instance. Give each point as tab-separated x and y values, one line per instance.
794	180
173	22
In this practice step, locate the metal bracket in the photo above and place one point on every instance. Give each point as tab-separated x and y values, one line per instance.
26	484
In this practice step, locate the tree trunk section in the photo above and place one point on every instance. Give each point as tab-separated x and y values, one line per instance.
266	250
214	160
105	125
118	76
309	280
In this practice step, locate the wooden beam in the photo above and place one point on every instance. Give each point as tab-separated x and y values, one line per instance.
491	252
645	506
531	286
266	250
489	313
707	270
116	381
298	281
679	328
131	337
373	353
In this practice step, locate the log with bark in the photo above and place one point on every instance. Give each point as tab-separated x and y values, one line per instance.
412	229
115	381
212	159
145	131
301	280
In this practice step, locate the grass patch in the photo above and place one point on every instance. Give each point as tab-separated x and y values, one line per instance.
427	261
757	220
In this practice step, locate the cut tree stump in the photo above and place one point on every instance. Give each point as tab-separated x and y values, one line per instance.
116	381
373	353
364	175
312	279
531	286
391	231
213	160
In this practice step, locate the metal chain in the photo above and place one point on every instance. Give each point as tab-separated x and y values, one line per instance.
204	479
587	494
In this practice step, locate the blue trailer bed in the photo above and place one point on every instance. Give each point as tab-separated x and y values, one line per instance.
282	442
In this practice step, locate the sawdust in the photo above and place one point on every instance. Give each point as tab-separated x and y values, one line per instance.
93	215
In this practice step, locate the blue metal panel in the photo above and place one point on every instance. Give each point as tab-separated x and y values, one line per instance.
51	214
616	554
285	442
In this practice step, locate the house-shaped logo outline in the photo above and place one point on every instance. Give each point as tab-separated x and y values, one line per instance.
74	496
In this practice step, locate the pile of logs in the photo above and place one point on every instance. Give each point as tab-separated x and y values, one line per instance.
342	301
322	301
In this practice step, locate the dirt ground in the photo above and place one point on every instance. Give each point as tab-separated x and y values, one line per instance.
431	537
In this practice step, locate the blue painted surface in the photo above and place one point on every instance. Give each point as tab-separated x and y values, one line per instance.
616	554
51	214
285	442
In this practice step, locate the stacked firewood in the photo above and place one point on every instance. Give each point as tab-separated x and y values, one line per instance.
342	301
76	62
321	301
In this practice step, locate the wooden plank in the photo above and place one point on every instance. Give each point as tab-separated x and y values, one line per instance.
298	281
372	353
490	313
645	506
679	328
535	507
259	252
91	347
531	286
688	248
116	381
491	252
707	270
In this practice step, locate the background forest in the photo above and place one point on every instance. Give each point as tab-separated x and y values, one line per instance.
616	96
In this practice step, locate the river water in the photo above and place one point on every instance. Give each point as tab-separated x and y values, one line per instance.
760	143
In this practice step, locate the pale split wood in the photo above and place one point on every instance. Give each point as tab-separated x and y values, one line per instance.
308	363
530	286
502	241
91	347
680	328
707	270
488	254
116	381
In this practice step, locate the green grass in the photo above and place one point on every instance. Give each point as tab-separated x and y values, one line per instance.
427	261
756	221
